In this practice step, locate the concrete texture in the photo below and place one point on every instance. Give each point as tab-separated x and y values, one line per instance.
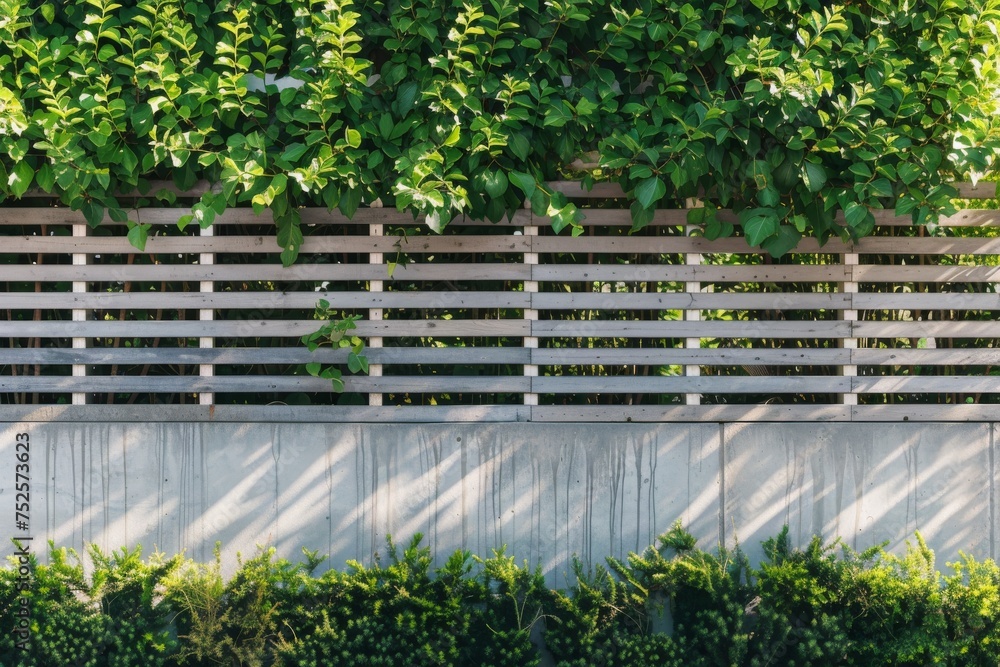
546	491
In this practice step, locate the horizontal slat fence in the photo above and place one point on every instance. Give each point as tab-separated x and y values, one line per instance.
504	321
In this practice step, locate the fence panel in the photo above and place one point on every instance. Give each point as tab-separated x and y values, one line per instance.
506	321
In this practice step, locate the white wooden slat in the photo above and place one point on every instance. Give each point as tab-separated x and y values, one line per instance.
262	300
707	384
78	315
692	314
531	313
375	313
206	314
850	314
303	271
705	329
262	384
261	355
257	328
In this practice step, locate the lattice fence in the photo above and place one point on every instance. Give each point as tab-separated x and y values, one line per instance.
505	322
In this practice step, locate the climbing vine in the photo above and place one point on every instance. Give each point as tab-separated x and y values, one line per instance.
787	111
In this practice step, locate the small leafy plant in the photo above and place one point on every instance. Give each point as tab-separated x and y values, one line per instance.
336	334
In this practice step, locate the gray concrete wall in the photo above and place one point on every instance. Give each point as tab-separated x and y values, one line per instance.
547	491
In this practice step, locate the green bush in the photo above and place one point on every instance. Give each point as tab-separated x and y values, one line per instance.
672	605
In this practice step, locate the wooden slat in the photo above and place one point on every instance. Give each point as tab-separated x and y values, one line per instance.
977	356
914	384
677	244
666	245
924	412
257	272
256	328
690	413
260	355
266	244
678	273
926	301
263	300
942	329
722	357
575	189
706	329
700	384
682	301
254	384
925	274
553	356
272	413
883	245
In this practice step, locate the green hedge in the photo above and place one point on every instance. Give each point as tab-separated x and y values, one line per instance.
673	605
787	111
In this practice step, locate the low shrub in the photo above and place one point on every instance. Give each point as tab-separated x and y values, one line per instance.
672	605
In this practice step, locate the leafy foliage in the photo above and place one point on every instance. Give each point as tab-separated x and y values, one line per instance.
787	111
672	605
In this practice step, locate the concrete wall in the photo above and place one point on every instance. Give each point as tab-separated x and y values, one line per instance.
547	491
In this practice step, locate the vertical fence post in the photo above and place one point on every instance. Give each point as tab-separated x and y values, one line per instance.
375	314
206	315
530	314
850	315
692	287
79	315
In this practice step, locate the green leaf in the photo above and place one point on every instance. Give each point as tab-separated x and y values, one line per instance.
649	191
641	216
758	225
495	183
48	12
314	368
519	146
138	234
855	214
437	220
93	211
523	182
783	241
357	363
20	179
349	202
45	177
353	138
814	176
